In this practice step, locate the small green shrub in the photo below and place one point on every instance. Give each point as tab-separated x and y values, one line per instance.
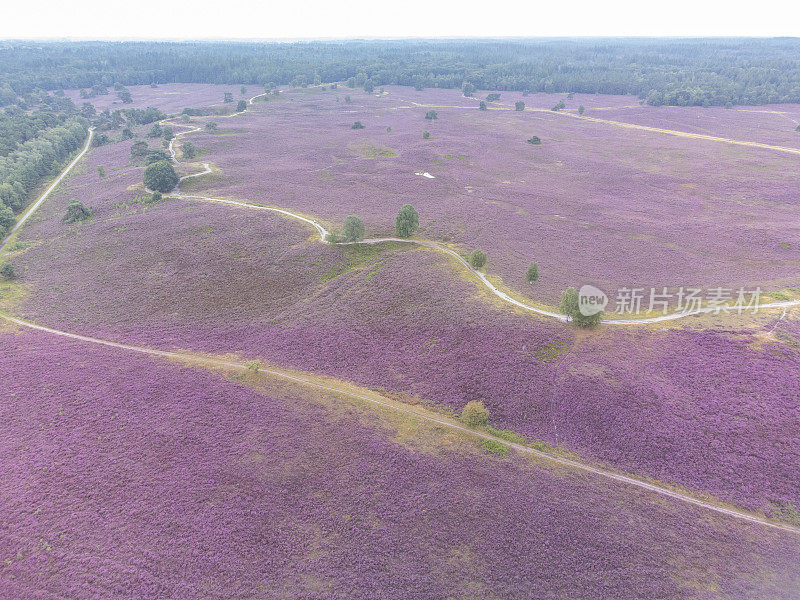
431	114
482	105
426	135
241	106
101	171
357	125
477	258
189	150
253	365
519	105
532	272
76	211
7	271
155	198
535	140
494	447
475	414
212	127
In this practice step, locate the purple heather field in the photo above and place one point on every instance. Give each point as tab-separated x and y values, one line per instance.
714	411
645	209
131	477
171	98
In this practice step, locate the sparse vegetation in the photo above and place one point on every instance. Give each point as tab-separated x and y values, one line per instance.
155	131
535	140
426	135
431	114
357	125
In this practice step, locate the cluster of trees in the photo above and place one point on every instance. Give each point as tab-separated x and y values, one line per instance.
25	167
661	71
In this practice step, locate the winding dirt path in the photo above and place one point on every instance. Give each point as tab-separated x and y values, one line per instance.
426	416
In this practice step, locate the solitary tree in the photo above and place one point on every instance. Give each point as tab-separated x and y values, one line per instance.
357	125
559	106
228	97
431	114
76	211
467	89
168	133
212	127
581	109
535	140
369	87
570	306
155	131
353	229
160	177
482	105
407	221
7	271
426	135
519	105
475	414
243	90
477	258
241	106
189	150
532	273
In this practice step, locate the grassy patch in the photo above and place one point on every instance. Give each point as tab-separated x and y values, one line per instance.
372	151
494	447
354	257
507	435
550	352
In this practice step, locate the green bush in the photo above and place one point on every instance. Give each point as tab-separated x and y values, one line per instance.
154	156
155	198
482	105
506	434
353	229
212	127
155	131
475	414
357	125
241	106
477	259
76	211
160	177
139	149
535	140
426	135
7	271
581	109
532	272
253	365
431	114
406	222
519	105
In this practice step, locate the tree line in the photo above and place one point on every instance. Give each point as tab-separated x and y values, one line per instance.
34	160
716	71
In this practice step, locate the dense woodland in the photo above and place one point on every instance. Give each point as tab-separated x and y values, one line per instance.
661	71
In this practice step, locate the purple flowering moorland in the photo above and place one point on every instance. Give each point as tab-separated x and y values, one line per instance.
132	477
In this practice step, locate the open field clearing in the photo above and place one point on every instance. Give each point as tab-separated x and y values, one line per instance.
148	478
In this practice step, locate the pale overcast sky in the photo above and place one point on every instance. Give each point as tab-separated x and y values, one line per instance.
201	19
